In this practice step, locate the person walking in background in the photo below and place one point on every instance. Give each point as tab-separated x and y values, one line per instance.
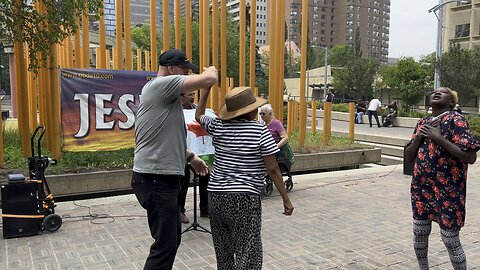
160	152
442	146
244	151
360	111
187	100
372	110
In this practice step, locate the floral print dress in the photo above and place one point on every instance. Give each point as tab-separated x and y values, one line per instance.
438	188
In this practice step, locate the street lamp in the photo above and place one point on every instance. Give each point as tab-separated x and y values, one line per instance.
438	52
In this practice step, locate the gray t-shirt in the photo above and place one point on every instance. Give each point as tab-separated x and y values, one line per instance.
160	136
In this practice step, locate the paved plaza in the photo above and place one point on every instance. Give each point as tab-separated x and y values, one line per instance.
357	219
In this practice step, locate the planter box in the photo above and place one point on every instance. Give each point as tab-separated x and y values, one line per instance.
98	184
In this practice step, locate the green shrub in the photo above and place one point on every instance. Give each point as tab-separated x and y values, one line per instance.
474	123
340	107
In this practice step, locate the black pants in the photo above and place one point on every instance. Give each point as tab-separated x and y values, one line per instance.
203	184
159	195
374	113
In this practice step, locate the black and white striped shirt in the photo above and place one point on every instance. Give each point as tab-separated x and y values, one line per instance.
240	146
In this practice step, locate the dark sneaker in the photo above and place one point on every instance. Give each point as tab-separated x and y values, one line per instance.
184	218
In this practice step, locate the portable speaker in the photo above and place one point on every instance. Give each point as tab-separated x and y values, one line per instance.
20	199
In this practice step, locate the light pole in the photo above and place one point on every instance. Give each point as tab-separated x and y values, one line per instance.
438	52
325	78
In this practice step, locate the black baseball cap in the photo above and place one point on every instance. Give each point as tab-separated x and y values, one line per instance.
174	57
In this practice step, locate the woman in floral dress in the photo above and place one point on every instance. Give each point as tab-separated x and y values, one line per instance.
442	146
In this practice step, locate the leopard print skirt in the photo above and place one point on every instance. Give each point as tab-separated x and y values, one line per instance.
236	223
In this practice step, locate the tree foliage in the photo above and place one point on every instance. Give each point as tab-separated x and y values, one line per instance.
459	69
408	80
356	75
21	21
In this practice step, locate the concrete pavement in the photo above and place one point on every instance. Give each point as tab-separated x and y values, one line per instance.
357	219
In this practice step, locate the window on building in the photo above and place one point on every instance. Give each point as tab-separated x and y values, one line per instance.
464	2
462	30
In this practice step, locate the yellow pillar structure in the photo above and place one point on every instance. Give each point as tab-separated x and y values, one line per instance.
114	59
290	117
303	72
253	29
97	58
147	61
178	27
85	41
118	59
188	28
55	95
69	53
22	96
139	59
241	44
102	41
272	93
313	106
351	116
215	94
107	59
76	45
126	31
32	98
166	31
327	122
281	55
153	36
223	51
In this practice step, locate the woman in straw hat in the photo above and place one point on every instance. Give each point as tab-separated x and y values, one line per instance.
244	151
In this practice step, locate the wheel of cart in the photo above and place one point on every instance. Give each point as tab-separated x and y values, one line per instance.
284	167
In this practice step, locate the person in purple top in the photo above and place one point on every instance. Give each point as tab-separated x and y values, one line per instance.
273	125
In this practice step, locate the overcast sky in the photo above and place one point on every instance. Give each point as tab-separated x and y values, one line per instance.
413	31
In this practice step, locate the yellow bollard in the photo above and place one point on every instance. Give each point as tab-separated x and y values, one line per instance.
351	116
313	106
327	122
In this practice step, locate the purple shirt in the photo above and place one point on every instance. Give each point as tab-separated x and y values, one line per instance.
275	128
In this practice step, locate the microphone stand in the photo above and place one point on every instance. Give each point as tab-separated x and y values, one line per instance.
195	226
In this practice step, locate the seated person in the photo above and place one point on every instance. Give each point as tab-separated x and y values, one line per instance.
392	114
361	110
275	127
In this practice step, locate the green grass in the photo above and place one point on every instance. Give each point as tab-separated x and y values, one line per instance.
79	162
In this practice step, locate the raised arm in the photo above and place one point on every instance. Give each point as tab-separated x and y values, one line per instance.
202	104
208	78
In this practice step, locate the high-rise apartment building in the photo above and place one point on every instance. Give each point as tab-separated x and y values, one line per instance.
462	24
335	22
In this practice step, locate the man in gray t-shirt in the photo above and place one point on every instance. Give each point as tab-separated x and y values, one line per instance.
161	154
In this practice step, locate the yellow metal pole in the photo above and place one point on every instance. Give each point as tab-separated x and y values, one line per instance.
85	41
114	58
76	45
153	36
281	62
118	59
139	59
314	116
166	31
97	58
303	71
253	29
351	129
215	94
107	59
200	35
295	114
223	50
178	28
232	83
128	43
188	28
69	53
32	98
241	50
55	91
289	117
271	59
327	122
22	96
147	61
102	41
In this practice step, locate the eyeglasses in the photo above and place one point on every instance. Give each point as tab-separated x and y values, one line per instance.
262	113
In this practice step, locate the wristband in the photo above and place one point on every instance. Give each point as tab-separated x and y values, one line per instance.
190	157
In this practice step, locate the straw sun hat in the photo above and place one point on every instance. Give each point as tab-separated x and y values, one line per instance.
239	101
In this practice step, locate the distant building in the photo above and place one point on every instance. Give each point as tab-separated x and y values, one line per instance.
462	24
334	22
